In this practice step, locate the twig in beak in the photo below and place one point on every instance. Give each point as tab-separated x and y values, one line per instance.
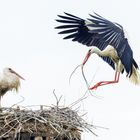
74	72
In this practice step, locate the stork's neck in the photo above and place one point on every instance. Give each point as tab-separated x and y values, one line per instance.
108	51
97	51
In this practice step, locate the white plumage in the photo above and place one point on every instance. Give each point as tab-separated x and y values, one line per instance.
9	80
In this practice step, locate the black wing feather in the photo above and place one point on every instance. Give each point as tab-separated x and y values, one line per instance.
100	32
66	26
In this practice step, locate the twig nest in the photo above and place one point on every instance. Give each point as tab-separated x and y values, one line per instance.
50	121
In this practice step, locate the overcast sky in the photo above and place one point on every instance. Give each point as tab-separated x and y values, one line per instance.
31	46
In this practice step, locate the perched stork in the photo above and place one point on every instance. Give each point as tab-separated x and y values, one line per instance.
9	80
108	41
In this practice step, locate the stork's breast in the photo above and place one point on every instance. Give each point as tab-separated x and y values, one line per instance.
13	83
112	53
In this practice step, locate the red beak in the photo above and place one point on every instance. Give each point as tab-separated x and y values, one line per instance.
17	74
87	57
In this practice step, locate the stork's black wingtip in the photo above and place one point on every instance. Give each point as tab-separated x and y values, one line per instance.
96	14
69	14
90	15
93	14
57	20
58	16
66	13
56	27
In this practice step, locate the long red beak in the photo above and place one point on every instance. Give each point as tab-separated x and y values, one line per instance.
17	74
87	57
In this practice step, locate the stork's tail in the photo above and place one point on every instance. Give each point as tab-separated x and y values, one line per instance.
135	76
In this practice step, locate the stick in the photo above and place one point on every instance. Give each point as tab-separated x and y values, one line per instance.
74	72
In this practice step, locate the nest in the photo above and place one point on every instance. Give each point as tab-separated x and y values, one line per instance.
52	121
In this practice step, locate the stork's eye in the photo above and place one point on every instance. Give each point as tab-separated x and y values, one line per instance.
89	50
9	69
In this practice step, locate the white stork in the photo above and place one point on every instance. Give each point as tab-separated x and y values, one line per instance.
9	80
107	40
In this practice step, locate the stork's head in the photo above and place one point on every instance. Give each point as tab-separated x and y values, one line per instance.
91	51
9	70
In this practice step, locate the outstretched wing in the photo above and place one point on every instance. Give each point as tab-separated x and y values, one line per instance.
100	32
77	30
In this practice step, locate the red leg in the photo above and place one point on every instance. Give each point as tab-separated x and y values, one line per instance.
102	83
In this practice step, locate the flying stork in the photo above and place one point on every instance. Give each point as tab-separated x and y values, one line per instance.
9	80
108	41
